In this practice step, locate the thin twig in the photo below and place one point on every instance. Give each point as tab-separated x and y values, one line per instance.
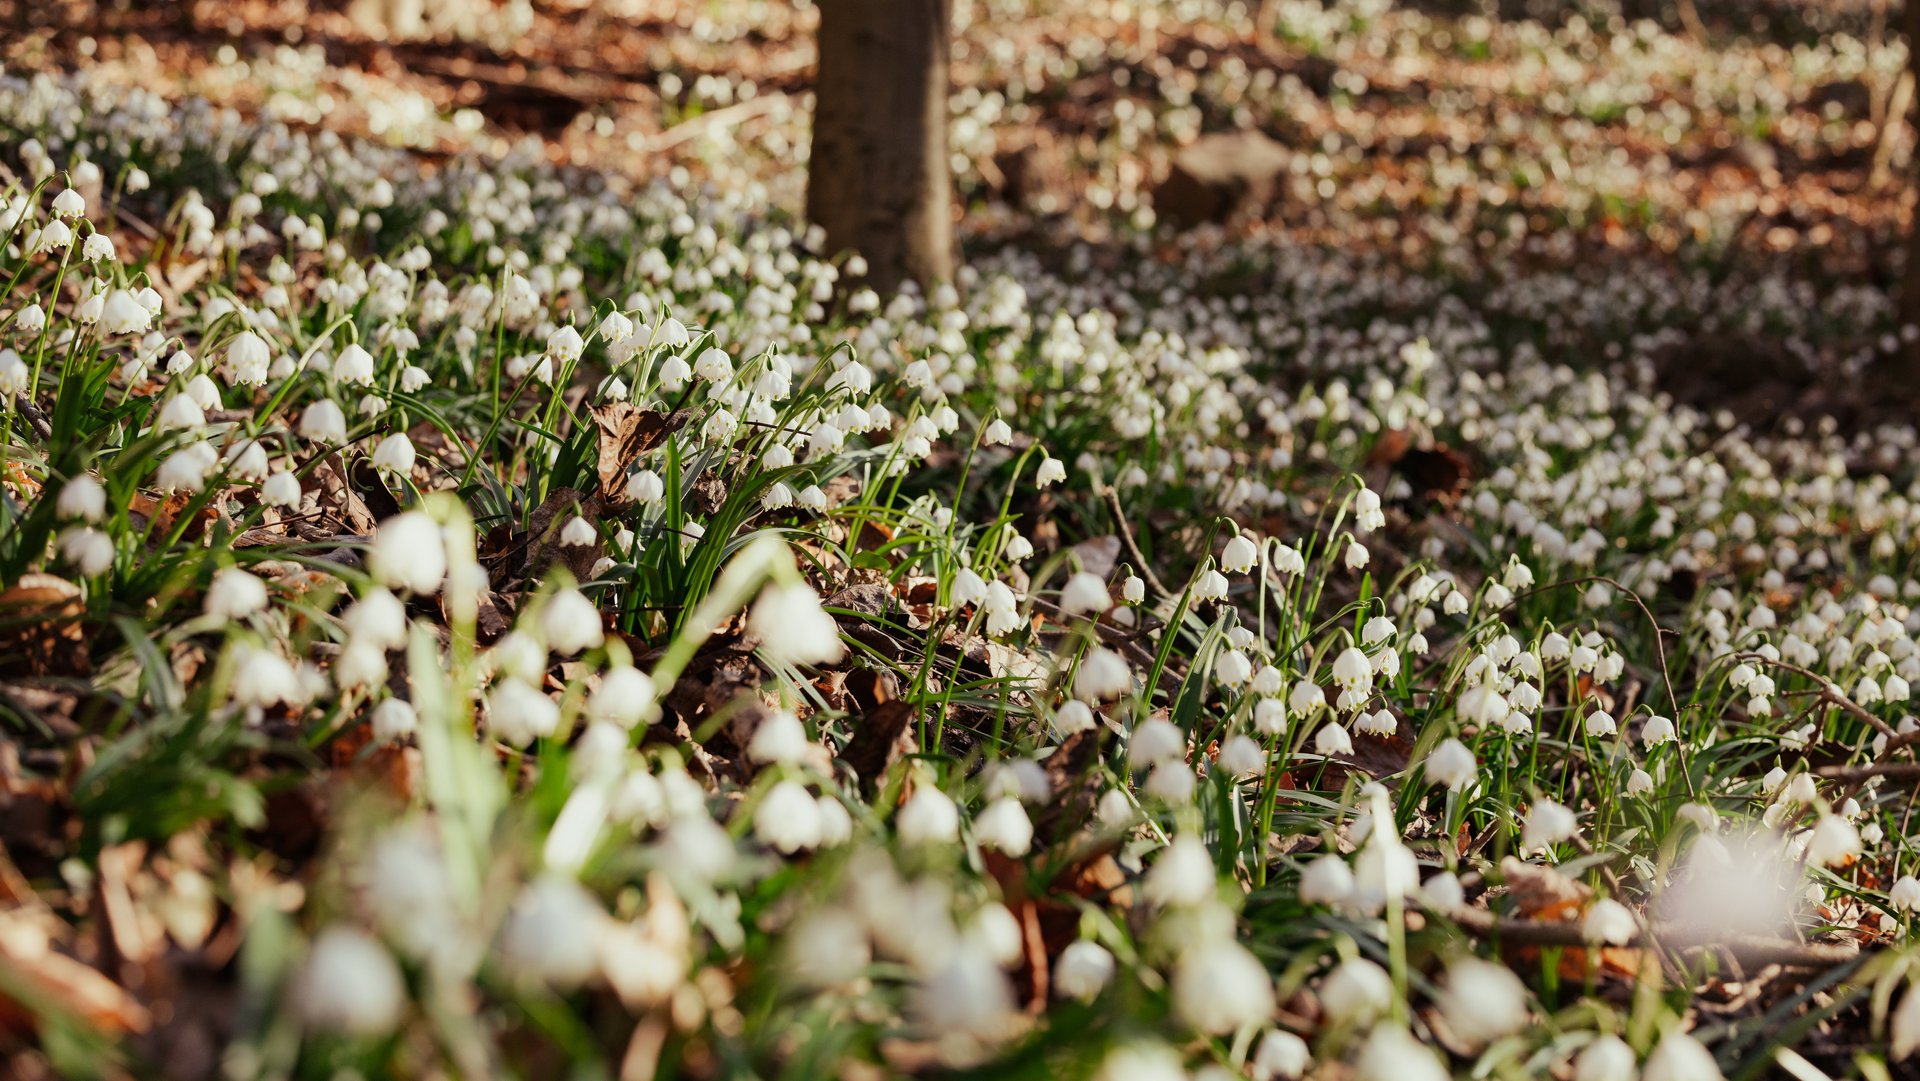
1827	690
1753	951
1132	546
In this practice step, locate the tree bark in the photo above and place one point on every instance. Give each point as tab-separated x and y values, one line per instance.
878	181
1909	355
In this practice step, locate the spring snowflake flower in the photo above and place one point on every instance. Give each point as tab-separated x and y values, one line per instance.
1133	590
1356	992
1483	1001
1607	1058
1680	1057
88	549
393	720
1183	876
1103	675
929	817
1833	842
181	413
1356	555
1639	782
1219	987
69	204
1609	923
1548	823
1004	827
787	818
55	236
395	454
83	498
626	696
553	934
779	738
570	623
354	365
793	628
235	594
1905	894
1233	668
1656	730
98	248
1332	740
1083	970
1156	740
1240	555
121	314
408	553
1211	585
518	714
1241	757
1601	723
1084	594
1451	765
349	984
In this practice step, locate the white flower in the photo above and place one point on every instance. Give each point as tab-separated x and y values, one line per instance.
1240	757
1219	987
1352	671
69	204
408	553
518	714
1233	668
929	817
88	549
1182	876
792	627
1052	471
1547	823
1483	1001
646	488
1103	675
1610	923
553	934
779	738
996	433
1680	1057
1905	894
1443	892
1657	730
181	412
393	719
1134	589
1451	764
323	422
626	696
1607	1058
121	314
787	818
1833	842
570	623
1004	827
1392	1054
1356	992
1240	556
394	454
82	497
1356	555
281	489
1904	1030
1082	970
248	359
235	594
1084	594
1332	740
1280	1054
564	345
1327	880
350	984
1639	782
1601	723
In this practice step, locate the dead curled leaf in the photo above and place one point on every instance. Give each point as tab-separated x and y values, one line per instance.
627	432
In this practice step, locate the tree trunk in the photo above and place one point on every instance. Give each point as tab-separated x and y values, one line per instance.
1909	364
878	180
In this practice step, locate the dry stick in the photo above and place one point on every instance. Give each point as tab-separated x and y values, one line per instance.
1132	546
732	114
1747	950
1827	690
